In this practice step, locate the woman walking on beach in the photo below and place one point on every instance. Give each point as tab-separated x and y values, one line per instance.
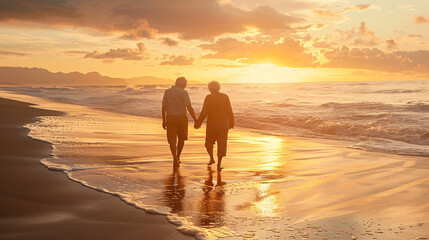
220	118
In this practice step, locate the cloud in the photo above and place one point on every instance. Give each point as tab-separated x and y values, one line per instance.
76	52
357	36
180	60
137	54
391	44
8	53
288	52
410	8
230	65
169	42
190	19
321	44
375	59
414	36
420	58
360	7
40	10
142	30
204	18
326	13
281	5
336	14
421	20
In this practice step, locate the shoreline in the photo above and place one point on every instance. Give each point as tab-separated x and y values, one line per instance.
37	203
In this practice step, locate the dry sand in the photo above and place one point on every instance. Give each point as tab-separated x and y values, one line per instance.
36	203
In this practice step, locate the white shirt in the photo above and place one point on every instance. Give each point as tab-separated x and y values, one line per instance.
176	99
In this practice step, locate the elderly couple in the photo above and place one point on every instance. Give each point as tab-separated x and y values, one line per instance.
217	109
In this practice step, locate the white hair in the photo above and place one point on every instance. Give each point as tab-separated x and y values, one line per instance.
214	86
181	82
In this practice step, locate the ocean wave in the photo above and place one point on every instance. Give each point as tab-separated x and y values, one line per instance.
411	106
418	107
340	129
391	146
134	91
367	116
359	106
396	91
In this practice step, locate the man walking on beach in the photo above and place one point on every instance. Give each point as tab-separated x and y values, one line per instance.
174	119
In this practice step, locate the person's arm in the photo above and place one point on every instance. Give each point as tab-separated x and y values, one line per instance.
189	106
203	114
164	122
230	113
191	111
164	111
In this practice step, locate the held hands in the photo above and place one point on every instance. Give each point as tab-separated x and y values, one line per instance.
197	125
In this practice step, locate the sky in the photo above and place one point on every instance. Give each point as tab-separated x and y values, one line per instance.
224	40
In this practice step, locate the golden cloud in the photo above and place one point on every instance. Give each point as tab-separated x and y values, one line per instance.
421	20
180	60
288	52
335	14
375	59
391	44
360	36
9	53
191	19
136	54
169	42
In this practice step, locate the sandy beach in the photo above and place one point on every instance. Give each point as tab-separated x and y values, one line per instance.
36	203
272	187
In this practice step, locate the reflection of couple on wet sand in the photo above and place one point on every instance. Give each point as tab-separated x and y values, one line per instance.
211	208
217	109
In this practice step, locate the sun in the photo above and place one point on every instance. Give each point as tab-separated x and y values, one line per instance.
267	72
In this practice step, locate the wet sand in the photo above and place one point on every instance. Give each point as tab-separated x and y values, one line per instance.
272	187
37	203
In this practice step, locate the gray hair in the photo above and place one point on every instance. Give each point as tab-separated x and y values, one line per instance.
181	82
214	86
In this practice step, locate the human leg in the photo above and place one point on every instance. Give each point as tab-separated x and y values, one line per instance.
211	135
219	163
173	153
222	139
172	135
209	147
180	145
182	134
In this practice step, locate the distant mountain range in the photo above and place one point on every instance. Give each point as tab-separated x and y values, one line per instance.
40	76
148	80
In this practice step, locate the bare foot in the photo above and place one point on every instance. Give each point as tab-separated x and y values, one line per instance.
211	162
176	162
219	168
